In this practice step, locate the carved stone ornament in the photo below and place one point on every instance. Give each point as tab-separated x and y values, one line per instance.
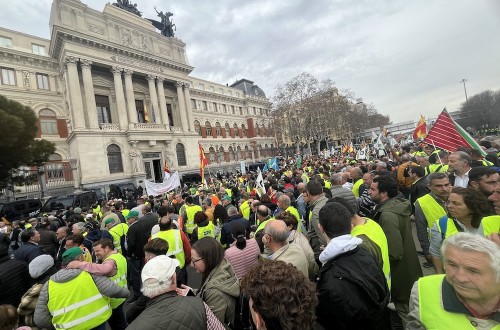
135	39
26	79
86	63
96	29
150	77
70	60
138	63
127	72
179	84
116	70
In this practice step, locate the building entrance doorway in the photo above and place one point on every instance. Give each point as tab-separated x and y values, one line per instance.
152	166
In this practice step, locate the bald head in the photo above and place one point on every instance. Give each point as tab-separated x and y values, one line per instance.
356	173
301	187
278	231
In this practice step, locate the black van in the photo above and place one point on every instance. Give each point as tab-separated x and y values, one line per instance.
26	208
78	199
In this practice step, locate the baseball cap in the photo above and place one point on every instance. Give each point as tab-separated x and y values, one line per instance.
108	221
77	210
132	214
159	269
71	254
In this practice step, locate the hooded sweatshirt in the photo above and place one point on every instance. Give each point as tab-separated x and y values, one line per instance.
220	291
352	290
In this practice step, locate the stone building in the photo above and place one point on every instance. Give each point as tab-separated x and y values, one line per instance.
117	99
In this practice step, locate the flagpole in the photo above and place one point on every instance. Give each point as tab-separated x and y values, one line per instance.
437	153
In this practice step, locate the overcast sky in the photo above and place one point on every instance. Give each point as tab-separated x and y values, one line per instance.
405	57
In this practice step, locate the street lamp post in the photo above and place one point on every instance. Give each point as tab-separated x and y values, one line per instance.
465	89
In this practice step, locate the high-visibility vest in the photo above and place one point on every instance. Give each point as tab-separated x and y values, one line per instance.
432	314
120	278
296	214
207	231
486	162
229	192
328	184
125	212
491	225
117	231
355	187
190	212
431	208
446	227
373	231
245	210
440	168
175	246
77	304
262	225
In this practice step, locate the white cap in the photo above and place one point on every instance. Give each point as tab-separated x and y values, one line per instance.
160	268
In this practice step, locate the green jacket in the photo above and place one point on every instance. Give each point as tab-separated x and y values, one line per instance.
220	291
316	238
394	217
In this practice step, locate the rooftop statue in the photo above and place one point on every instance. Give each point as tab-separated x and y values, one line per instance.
128	6
166	26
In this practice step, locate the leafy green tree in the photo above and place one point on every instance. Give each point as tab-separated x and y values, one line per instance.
18	145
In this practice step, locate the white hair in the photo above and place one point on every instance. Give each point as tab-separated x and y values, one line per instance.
152	287
80	226
475	243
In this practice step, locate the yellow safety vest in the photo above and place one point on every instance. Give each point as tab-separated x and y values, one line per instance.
328	184
73	308
296	214
245	210
120	278
491	225
207	231
125	212
117	231
432	314
432	210
355	187
229	192
190	212
373	231
262	225
451	228
175	246
440	168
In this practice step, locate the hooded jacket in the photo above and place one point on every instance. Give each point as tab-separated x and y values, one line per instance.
394	217
43	318
220	291
352	290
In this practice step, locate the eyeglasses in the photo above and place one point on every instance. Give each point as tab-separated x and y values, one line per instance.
267	234
193	261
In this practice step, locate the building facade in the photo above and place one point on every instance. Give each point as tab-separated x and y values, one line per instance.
117	99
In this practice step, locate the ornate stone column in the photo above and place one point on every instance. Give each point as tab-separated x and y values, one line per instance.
182	106
162	101
153	99
129	93
189	112
88	87
120	97
75	95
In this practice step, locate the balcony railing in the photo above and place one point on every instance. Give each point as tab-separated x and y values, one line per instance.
148	126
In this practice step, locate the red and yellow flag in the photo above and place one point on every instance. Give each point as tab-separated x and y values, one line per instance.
421	129
203	163
166	168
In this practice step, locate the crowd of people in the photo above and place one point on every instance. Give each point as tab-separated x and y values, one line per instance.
319	243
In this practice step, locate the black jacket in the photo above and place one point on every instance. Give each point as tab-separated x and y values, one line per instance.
417	190
352	293
225	235
27	252
14	280
138	235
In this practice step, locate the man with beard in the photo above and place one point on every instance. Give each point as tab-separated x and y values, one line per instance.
459	166
484	179
393	215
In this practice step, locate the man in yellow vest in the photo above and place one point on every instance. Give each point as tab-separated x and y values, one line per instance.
119	232
467	296
490	226
357	180
178	244
284	205
114	266
75	299
245	206
188	215
429	208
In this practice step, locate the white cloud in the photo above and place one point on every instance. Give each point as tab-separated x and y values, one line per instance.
404	57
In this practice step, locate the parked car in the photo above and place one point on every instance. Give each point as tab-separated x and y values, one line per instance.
83	199
26	208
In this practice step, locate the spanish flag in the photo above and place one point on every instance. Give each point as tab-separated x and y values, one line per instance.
203	163
166	169
421	129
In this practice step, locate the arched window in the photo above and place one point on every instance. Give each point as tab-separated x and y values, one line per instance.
220	155
231	154
197	127
114	159
211	154
238	153
181	154
218	131
48	122
227	128
54	167
243	130
208	127
257	130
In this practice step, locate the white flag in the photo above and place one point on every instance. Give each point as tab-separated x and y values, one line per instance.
378	143
155	189
259	183
166	176
361	154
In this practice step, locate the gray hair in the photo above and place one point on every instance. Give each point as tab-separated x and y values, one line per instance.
463	156
207	201
152	287
232	210
279	236
80	226
475	243
435	176
336	179
284	199
405	157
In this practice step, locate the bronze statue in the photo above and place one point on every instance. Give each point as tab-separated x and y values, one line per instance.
166	26
128	6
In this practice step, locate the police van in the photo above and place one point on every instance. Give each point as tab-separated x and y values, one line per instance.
21	209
